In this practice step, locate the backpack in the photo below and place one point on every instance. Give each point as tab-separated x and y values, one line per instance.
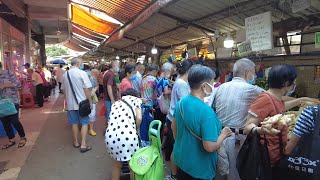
163	101
147	163
304	161
147	118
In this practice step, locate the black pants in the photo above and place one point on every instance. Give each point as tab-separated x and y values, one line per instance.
168	146
185	176
46	90
13	120
158	115
59	86
39	94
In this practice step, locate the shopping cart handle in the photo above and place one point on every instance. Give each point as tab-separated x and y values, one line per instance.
146	106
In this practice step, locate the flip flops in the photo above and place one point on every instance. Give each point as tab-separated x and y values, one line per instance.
10	144
22	143
76	146
86	149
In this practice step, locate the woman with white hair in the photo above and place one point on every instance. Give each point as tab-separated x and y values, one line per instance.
163	87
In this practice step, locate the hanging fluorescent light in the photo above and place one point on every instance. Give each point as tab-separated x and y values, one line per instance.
154	50
117	57
228	42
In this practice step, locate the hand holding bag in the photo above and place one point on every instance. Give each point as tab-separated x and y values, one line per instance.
253	161
84	106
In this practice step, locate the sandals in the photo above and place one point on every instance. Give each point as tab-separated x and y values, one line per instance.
86	149
10	144
76	146
22	143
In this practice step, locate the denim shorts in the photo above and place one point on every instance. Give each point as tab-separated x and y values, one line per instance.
75	118
108	109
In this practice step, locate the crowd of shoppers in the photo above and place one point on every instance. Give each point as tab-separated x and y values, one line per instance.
203	116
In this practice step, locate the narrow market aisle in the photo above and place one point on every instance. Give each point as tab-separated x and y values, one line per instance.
54	158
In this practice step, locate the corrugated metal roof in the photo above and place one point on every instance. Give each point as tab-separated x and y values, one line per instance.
187	20
122	10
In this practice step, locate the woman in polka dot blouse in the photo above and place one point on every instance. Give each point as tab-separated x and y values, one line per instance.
121	136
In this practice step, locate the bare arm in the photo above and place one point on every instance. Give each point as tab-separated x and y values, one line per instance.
87	92
287	98
254	122
110	93
174	128
213	146
138	117
94	90
297	102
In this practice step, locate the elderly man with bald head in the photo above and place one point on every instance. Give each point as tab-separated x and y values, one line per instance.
77	90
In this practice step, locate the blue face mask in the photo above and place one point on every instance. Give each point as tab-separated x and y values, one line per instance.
117	70
133	77
253	80
82	67
88	73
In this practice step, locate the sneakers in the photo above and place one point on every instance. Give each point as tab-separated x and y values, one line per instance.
92	133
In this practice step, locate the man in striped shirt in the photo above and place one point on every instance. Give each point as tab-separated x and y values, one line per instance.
304	126
231	102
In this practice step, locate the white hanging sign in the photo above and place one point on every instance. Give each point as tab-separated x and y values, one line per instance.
259	31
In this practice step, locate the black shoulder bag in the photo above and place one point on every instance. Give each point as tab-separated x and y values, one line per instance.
253	161
84	106
304	161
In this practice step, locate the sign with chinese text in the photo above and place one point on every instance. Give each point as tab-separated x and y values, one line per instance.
259	31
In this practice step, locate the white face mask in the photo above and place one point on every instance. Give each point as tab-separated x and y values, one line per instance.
208	93
292	90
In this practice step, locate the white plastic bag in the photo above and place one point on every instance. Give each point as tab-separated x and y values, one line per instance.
164	103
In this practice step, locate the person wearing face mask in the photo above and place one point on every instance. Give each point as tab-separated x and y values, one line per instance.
110	86
231	102
197	131
131	75
281	82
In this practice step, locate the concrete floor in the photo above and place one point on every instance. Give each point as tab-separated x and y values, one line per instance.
54	158
49	154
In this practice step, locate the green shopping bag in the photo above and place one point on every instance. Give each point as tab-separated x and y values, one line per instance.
147	163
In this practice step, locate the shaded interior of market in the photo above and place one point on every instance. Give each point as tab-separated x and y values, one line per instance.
214	33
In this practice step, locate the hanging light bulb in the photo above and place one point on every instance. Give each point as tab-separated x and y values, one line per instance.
154	50
228	42
117	57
